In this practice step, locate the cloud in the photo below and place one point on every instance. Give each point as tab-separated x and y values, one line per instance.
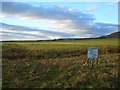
65	22
102	28
40	12
31	32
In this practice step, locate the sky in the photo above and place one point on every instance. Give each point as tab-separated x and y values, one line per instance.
54	20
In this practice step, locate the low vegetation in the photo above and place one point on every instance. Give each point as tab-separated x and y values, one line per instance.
60	64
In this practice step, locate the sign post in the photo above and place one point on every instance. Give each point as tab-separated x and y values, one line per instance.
92	54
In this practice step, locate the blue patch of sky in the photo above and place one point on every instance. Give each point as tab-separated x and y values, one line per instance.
106	12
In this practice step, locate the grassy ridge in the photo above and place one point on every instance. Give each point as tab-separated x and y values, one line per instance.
46	50
59	64
99	42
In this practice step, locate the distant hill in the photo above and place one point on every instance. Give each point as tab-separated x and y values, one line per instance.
112	35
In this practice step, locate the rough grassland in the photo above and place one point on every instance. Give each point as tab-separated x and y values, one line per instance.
59	64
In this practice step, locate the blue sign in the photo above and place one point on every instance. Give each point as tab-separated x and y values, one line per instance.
92	53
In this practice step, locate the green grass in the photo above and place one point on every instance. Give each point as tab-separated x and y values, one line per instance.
59	64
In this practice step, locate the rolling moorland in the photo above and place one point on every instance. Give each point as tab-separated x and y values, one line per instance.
60	64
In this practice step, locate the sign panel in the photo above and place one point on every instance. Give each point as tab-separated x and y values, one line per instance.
92	53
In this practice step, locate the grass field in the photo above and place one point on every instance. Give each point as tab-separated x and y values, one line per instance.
60	64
